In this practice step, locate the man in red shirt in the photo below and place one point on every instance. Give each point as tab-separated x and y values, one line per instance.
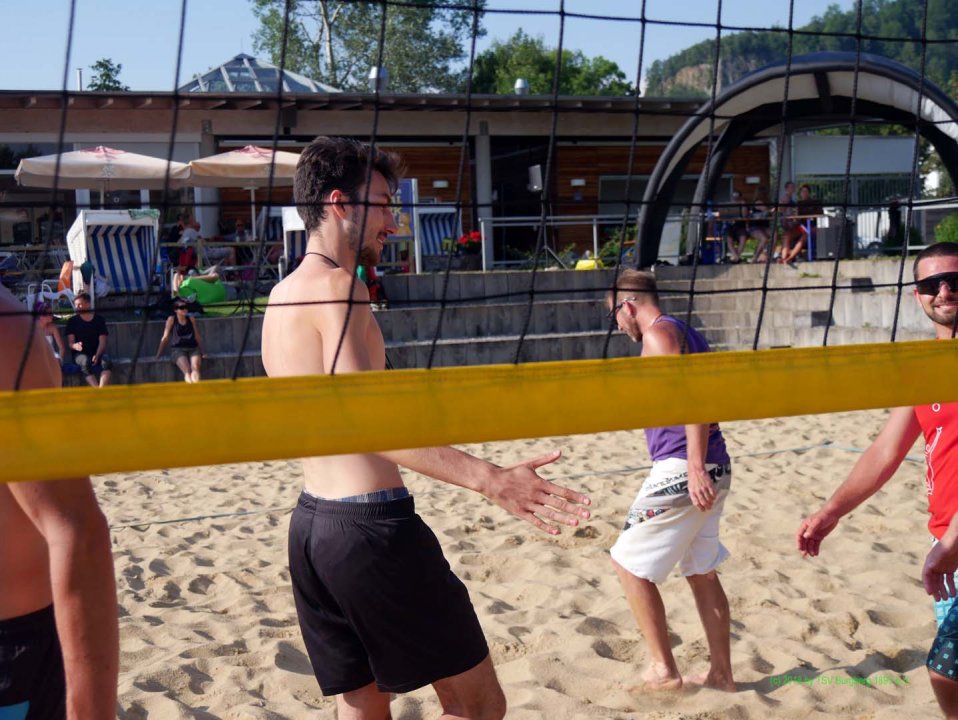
936	290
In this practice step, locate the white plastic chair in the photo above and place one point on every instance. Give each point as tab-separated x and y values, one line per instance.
47	292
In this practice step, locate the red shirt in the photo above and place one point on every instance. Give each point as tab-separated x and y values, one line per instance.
939	423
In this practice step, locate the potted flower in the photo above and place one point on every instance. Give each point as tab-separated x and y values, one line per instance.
469	243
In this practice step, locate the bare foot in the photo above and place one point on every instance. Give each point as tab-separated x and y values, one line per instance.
712	680
658	677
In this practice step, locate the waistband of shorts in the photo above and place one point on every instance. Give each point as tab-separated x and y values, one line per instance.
387	510
30	623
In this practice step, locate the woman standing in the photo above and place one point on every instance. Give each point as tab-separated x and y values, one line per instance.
187	348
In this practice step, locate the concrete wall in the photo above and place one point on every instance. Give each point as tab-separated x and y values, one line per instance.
486	313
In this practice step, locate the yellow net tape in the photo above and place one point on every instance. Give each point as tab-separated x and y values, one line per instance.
47	434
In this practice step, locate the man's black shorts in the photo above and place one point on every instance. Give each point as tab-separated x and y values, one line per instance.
32	684
376	599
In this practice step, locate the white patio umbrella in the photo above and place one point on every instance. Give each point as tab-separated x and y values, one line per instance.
247	167
101	168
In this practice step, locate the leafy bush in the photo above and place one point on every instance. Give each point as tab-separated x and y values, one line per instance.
609	252
947	229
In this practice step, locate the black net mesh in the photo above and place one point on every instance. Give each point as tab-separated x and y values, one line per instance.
669	183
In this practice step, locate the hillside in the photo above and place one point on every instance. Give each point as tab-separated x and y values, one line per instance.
883	25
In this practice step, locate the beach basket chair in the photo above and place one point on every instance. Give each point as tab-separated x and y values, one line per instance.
121	245
294	241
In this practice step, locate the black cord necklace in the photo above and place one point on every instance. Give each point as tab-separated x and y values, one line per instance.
324	257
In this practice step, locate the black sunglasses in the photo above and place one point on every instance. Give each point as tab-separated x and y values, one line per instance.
930	285
179	307
615	310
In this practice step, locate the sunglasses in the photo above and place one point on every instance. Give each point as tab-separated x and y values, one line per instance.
930	285
179	307
615	310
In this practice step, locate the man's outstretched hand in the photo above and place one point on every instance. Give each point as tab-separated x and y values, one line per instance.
814	529
520	490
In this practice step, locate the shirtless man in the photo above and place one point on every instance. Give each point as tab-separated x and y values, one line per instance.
936	290
59	651
379	608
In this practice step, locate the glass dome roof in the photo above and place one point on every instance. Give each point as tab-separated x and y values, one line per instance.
246	74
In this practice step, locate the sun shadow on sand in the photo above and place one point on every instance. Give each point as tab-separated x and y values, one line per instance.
291	659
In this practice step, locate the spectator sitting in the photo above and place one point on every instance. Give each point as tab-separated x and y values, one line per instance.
793	232
759	225
808	210
191	234
736	233
44	316
187	349
176	232
191	237
87	336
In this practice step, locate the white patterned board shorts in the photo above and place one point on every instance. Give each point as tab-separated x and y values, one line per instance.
665	529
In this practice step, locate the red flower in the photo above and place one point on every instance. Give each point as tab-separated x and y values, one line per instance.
470	242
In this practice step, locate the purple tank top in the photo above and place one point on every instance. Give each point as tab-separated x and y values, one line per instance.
669	442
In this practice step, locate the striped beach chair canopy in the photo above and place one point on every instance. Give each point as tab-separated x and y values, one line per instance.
121	245
294	239
436	223
271	226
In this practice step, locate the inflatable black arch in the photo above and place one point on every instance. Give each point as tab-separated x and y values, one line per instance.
820	93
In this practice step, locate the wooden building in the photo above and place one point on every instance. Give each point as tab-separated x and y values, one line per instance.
502	137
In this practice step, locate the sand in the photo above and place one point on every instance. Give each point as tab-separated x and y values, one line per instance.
208	628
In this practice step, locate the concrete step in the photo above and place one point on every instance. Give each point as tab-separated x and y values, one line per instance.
217	366
502	349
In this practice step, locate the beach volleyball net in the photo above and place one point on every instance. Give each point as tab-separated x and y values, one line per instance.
848	94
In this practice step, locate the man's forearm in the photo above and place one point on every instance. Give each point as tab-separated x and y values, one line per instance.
696	445
950	538
446	464
84	597
867	477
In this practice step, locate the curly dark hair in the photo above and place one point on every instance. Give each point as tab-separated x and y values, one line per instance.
336	163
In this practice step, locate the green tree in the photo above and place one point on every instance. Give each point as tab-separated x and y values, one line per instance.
106	76
337	41
947	229
528	57
890	28
931	162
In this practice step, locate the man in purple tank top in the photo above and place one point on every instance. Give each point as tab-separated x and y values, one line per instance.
674	519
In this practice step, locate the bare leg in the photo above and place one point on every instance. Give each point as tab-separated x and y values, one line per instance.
762	246
183	364
367	703
713	611
105	377
946	692
91	380
196	362
791	251
472	695
649	611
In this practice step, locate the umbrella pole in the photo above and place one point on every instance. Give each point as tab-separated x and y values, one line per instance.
252	212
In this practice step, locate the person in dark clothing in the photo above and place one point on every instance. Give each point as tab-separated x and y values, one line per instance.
187	348
87	336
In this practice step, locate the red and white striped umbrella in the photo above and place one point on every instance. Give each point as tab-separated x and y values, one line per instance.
247	167
101	168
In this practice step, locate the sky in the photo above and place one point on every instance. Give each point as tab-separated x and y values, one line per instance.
142	35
